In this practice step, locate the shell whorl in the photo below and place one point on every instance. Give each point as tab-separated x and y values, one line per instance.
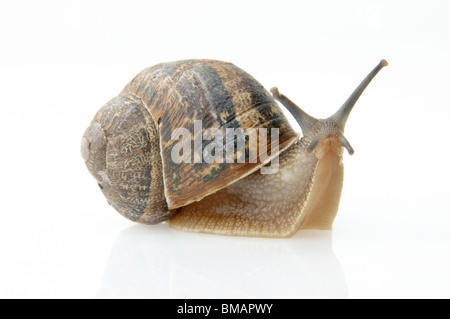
221	96
121	150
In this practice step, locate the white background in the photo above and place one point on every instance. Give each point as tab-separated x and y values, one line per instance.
62	60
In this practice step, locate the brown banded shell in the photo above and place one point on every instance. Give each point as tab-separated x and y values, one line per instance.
128	145
221	96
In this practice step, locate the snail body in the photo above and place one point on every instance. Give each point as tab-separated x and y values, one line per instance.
129	148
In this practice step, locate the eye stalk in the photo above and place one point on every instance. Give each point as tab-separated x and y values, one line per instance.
342	114
305	121
309	123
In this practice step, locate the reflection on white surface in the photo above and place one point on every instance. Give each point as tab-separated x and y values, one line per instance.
157	262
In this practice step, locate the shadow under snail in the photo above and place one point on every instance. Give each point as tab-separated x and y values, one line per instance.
129	148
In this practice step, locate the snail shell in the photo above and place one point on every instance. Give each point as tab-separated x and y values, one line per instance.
129	144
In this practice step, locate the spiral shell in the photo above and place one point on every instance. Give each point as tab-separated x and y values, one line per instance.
136	127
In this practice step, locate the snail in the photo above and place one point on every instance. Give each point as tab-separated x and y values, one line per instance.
130	144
